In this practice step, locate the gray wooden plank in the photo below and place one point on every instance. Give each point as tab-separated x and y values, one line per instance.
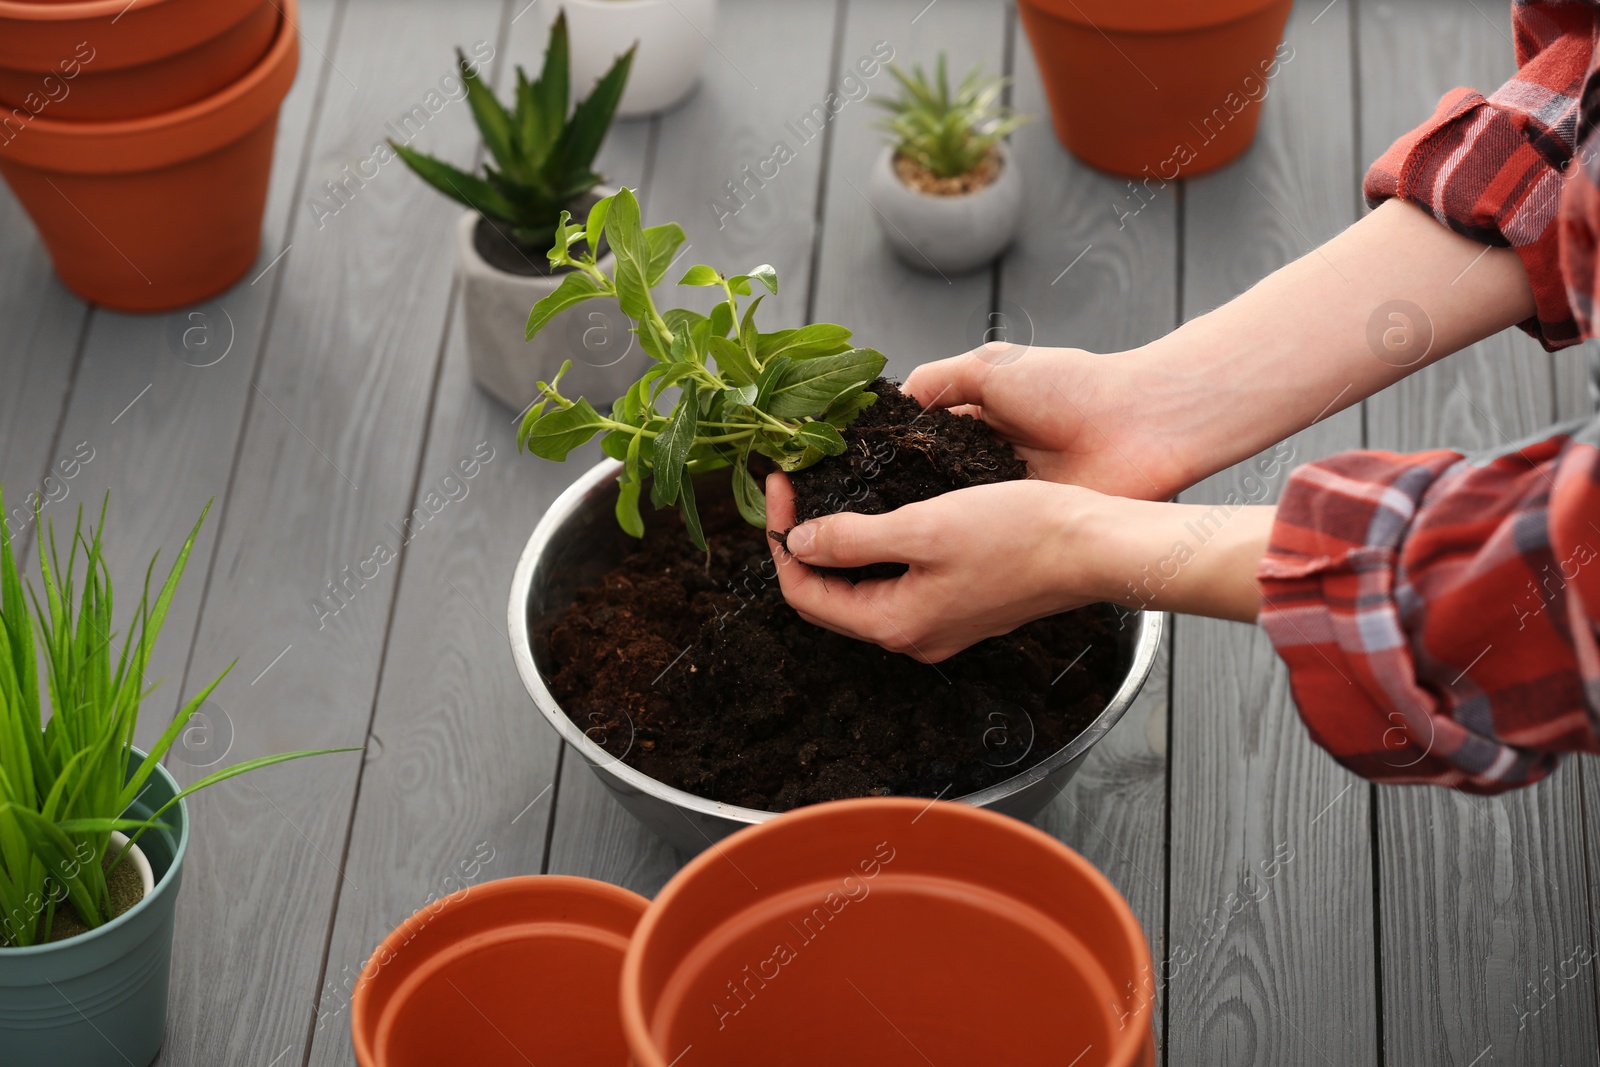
1271	953
1073	261
450	698
701	145
1479	896
910	316
160	411
329	454
41	333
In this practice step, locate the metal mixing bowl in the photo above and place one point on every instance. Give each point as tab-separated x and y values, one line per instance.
577	541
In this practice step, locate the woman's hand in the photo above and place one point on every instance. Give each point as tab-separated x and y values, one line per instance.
1073	415
985	560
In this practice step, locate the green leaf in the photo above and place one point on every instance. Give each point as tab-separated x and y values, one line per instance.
721	319
582	136
663	242
823	437
458	184
733	362
672	447
700	274
691	515
771	375
817	339
558	432
843	412
575	288
748	495
494	122
809	386
767	275
548	96
747	329
595	223
628	516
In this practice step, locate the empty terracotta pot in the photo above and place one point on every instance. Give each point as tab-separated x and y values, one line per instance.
503	974
889	931
112	59
1160	88
153	213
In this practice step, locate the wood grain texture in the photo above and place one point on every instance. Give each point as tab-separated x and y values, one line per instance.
163	416
909	315
462	765
1271	954
1479	896
1080	277
328	458
700	146
41	331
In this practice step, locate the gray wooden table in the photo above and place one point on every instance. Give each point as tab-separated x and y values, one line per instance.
1412	926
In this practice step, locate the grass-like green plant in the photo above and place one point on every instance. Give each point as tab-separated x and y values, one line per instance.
65	784
950	134
543	158
784	395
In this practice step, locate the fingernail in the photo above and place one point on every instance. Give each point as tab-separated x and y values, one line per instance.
802	539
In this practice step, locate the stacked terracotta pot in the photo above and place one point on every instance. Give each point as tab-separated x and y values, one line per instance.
885	931
138	134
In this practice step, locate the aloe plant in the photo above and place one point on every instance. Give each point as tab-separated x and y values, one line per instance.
65	784
949	133
543	158
785	395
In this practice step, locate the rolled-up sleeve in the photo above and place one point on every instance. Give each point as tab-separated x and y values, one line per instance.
1438	614
1493	168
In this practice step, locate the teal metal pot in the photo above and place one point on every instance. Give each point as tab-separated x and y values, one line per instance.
100	999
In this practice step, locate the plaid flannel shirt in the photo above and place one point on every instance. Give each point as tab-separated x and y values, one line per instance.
1439	613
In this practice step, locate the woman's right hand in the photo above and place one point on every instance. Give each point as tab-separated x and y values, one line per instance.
1074	416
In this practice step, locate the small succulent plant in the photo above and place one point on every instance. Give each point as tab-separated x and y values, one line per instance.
950	134
543	157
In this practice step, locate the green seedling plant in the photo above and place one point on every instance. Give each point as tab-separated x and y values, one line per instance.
66	783
949	133
785	394
543	158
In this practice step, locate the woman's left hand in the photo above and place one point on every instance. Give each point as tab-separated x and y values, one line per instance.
986	559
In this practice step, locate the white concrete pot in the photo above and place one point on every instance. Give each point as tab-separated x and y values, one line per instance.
947	234
496	303
673	36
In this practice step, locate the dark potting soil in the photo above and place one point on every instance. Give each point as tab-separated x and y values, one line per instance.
695	671
899	454
493	241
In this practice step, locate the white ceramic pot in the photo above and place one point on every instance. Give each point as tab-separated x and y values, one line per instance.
673	37
605	356
947	234
137	857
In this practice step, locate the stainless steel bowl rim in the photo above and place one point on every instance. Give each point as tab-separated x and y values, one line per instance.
1147	642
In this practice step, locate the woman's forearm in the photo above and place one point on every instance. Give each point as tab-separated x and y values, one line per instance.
1196	559
1388	296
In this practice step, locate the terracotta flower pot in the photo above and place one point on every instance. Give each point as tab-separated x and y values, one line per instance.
894	932
1159	88
503	974
154	213
111	59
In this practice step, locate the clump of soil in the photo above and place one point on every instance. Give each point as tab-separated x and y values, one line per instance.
899	454
695	671
923	180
